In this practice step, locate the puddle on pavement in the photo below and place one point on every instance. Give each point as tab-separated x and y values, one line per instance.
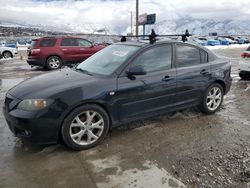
150	176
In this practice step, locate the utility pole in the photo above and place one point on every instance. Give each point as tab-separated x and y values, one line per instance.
136	17
131	12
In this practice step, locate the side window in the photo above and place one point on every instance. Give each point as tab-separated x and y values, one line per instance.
204	56
187	56
48	42
84	43
69	42
155	59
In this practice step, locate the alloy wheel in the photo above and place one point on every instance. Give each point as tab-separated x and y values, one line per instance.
214	98
86	128
54	63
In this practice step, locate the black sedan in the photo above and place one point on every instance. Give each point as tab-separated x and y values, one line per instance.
121	83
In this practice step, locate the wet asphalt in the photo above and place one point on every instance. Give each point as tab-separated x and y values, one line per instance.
181	149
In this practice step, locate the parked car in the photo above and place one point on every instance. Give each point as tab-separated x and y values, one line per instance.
244	65
121	83
240	40
198	41
230	41
223	41
10	44
53	52
8	52
213	42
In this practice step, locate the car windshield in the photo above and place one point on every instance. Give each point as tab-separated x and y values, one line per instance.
106	61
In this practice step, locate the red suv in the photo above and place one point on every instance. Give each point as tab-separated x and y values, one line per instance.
53	52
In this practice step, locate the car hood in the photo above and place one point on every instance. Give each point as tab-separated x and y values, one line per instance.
49	84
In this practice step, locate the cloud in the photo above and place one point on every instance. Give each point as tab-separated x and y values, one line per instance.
114	14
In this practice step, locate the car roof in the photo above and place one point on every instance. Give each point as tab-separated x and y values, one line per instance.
63	36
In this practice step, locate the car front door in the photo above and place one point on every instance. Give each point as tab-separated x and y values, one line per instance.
155	91
85	49
69	49
193	74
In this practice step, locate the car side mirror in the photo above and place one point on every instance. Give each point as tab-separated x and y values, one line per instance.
138	70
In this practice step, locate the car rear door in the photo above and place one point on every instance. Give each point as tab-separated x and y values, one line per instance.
69	49
193	74
148	93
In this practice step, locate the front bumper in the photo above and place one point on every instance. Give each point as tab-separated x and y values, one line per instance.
34	127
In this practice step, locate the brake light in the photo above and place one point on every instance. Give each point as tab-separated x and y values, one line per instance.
245	55
34	51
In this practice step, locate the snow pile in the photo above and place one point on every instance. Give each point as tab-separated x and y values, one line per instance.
232	46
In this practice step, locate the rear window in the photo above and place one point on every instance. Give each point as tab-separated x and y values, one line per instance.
33	43
248	49
47	42
187	56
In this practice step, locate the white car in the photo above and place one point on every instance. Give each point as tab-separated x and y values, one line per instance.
8	52
244	65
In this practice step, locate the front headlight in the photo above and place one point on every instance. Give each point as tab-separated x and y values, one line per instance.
34	104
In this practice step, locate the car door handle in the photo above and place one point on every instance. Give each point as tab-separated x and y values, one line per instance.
204	72
167	78
64	49
82	48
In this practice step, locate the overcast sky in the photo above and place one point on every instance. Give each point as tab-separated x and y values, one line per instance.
116	13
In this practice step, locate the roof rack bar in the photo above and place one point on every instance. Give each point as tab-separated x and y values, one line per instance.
153	35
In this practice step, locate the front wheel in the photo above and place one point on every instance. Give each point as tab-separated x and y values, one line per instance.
212	99
85	127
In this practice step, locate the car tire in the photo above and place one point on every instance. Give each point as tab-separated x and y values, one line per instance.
54	62
212	99
7	54
244	76
85	127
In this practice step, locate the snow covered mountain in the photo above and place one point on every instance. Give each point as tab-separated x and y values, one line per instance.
202	26
195	26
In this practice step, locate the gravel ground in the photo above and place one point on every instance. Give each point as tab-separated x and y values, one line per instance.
182	149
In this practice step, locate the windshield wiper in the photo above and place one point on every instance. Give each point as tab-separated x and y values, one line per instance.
84	71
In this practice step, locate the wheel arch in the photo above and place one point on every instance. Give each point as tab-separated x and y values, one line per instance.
53	55
222	83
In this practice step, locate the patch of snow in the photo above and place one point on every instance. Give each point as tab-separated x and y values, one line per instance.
151	176
232	46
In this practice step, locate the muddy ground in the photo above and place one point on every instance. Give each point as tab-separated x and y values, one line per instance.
183	149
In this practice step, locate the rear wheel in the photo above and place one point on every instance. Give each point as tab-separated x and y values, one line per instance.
54	62
7	54
212	99
85	127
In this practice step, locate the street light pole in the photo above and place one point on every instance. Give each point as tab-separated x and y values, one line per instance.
131	12
136	17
